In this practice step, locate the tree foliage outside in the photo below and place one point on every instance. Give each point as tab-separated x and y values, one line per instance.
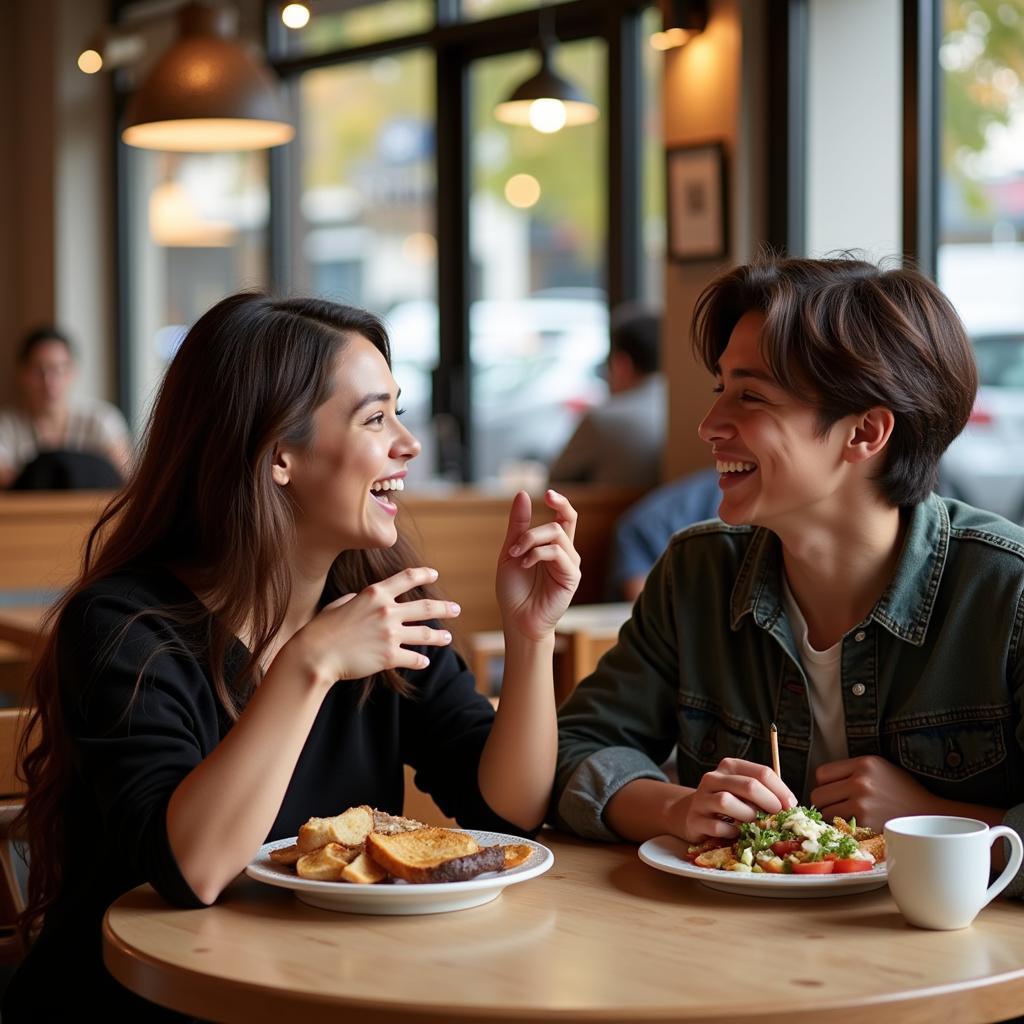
982	57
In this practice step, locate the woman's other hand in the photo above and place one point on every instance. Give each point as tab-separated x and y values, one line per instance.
538	568
361	634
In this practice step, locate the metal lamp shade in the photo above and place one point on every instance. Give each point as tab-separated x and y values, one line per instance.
207	93
546	85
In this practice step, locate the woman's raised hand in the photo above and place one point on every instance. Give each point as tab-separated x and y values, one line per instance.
538	568
361	634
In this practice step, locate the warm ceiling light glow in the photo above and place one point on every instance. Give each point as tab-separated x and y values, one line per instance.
295	15
547	115
208	135
671	38
90	61
419	248
522	191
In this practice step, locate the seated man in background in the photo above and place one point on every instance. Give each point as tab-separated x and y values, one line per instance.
620	443
879	625
49	421
645	528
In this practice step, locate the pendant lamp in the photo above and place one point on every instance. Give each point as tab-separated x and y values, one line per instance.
546	101
207	93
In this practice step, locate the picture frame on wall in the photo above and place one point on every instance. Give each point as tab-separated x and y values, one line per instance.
698	223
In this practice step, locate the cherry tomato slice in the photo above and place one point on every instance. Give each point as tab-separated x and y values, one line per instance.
847	865
784	847
814	867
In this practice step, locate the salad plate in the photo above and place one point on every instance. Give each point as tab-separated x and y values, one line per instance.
398	897
668	853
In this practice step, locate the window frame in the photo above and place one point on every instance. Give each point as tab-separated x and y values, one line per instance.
456	45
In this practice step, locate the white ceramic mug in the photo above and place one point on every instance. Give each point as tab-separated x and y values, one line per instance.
938	867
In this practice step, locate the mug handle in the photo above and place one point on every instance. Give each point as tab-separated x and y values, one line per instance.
1012	867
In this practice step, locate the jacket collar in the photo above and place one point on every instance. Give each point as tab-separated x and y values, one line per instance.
904	608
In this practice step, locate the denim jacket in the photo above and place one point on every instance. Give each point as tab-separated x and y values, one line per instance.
931	679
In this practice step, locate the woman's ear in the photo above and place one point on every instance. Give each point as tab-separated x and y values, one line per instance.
870	434
280	467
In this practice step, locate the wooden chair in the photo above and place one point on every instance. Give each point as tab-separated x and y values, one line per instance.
13	868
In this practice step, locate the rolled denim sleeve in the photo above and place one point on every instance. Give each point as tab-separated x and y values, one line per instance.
621	722
594	782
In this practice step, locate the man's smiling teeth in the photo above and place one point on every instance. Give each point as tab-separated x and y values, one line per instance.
734	467
396	484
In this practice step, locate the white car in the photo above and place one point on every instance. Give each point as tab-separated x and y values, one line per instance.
984	466
537	366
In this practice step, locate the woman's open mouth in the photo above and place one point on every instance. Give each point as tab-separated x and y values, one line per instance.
380	491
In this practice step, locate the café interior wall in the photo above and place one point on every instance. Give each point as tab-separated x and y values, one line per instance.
714	91
55	188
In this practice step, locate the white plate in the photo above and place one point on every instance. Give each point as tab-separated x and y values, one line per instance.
399	897
666	853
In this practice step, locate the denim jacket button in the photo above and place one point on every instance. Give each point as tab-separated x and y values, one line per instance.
859	635
707	746
858	689
954	759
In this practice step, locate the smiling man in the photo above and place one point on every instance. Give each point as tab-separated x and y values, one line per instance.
877	624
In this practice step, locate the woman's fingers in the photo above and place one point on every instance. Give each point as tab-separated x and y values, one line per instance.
425	636
518	520
549	553
548	533
565	514
402	582
422	611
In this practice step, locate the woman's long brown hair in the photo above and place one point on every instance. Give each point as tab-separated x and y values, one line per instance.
249	374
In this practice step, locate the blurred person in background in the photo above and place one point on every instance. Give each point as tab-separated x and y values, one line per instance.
49	421
643	531
620	443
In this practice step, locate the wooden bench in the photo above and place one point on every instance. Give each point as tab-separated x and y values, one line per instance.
458	532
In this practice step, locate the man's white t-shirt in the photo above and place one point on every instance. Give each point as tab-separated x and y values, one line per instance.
93	426
824	671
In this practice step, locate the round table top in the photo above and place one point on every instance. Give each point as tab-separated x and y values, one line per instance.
600	937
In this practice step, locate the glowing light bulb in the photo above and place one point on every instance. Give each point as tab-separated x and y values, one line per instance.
522	191
90	61
547	115
295	15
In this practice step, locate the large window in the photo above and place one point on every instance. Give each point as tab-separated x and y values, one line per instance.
539	313
981	237
198	226
362	218
492	252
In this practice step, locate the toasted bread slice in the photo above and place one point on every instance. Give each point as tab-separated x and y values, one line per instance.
287	855
327	863
516	854
350	828
365	870
875	846
391	824
720	858
434	855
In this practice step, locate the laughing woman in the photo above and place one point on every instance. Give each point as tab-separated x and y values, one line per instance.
251	644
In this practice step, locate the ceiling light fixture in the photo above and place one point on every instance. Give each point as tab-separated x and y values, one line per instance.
682	20
207	93
295	15
546	101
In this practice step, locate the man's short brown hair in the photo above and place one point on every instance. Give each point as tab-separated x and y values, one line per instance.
845	336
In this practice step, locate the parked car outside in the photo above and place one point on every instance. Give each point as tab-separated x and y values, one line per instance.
536	367
985	465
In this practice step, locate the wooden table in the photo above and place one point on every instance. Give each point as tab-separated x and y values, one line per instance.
600	937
